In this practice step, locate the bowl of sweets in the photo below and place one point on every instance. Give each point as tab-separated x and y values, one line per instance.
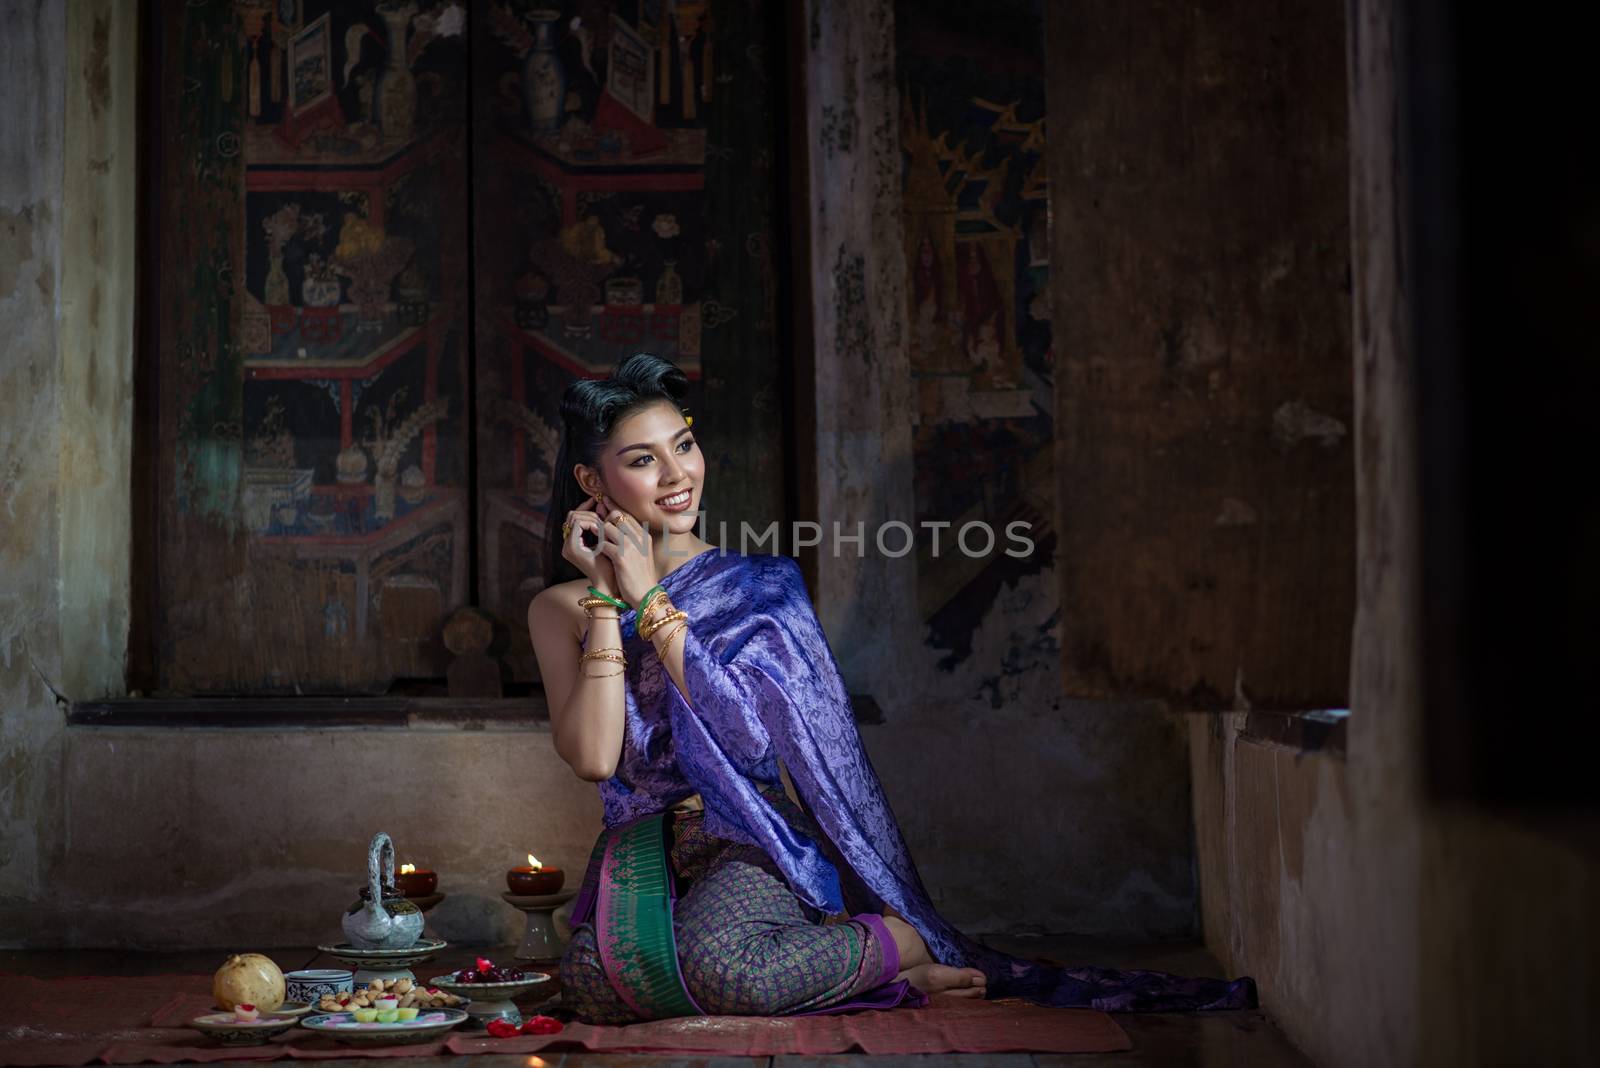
491	989
405	995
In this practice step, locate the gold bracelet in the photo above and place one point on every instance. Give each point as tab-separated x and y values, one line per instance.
666	643
646	621
661	608
611	653
589	604
606	675
660	611
656	593
650	626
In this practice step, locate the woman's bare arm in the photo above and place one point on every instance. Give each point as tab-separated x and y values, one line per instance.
587	709
673	660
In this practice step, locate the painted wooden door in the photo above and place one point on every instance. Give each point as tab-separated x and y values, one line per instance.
355	385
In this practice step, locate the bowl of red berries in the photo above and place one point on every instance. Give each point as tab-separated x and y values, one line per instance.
490	989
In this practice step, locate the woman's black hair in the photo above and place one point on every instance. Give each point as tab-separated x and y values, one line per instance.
590	409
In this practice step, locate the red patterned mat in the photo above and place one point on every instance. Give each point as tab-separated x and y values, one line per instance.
140	1020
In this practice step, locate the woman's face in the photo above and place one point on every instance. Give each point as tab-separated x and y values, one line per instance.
653	469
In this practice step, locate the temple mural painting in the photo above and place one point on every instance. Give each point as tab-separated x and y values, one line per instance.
976	225
390	232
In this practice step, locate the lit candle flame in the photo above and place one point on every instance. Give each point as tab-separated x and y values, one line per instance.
407	869
533	862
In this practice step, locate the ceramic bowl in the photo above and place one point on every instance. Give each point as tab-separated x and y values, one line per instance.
342	1027
490	1001
310	984
228	1029
489	991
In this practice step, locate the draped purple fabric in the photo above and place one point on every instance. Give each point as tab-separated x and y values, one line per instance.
764	686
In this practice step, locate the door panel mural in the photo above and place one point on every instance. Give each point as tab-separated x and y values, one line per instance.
356	393
316	532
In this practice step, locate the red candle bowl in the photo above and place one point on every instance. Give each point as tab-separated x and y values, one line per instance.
527	882
418	883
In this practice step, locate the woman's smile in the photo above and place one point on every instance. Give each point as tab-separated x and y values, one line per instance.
677	501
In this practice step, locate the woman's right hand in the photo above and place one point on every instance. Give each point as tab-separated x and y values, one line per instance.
594	564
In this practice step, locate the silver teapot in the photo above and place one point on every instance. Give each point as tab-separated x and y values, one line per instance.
382	917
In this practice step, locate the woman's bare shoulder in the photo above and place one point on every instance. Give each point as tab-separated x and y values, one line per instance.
559	602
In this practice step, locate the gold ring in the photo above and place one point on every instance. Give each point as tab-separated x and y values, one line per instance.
566	530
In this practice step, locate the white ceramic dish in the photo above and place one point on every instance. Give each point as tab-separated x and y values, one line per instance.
342	1027
420	951
228	1029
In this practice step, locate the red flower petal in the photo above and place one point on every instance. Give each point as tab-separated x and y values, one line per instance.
503	1028
541	1025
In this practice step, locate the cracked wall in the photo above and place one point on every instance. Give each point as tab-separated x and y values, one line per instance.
32	81
1095	832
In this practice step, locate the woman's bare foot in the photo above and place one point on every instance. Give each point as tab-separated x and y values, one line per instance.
943	979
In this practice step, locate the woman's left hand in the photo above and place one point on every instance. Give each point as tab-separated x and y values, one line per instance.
630	549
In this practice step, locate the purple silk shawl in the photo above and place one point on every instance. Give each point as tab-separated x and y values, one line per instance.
766	686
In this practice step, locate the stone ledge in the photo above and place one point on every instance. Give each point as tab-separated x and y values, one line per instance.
1319	731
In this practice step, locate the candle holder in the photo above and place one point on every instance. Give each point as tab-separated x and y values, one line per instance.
540	943
417	884
534	882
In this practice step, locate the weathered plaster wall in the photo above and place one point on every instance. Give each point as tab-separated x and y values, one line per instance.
1095	835
1382	928
248	837
256	837
32	81
95	319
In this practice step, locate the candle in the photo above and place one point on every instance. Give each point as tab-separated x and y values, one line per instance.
413	881
534	878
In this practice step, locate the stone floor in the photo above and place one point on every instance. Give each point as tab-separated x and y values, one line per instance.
1196	1040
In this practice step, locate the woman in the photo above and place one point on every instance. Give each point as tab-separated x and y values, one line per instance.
678	676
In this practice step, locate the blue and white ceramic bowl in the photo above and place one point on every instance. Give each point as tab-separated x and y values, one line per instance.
311	984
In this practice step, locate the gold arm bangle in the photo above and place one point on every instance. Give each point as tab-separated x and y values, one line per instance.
661	610
666	643
589	604
647	630
603	675
610	653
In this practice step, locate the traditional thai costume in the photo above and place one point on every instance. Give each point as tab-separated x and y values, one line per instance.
710	891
